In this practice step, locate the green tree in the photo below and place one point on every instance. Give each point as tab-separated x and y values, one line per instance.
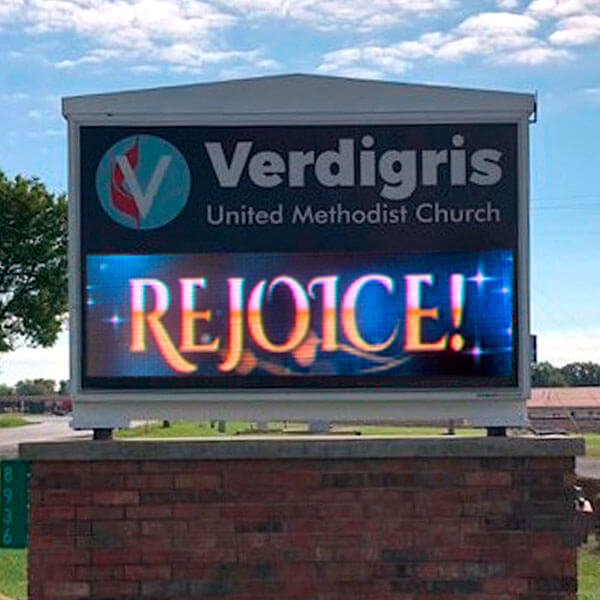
33	263
581	373
35	387
545	375
6	390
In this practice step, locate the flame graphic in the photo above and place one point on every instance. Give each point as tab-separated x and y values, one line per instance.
121	199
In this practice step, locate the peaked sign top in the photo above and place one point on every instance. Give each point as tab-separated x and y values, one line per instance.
297	93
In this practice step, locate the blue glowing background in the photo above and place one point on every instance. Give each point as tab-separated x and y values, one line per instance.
486	326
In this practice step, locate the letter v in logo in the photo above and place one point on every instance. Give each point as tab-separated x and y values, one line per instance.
144	200
143	182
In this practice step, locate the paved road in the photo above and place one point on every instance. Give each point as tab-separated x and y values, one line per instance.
588	467
43	429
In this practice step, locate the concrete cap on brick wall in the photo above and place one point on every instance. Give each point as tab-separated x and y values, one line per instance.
305	448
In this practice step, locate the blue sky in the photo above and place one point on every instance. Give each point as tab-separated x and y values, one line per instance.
56	48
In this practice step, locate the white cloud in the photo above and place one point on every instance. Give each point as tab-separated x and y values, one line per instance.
347	62
92	58
14	97
9	9
576	31
563	347
187	33
332	14
179	32
497	23
496	37
562	8
508	4
536	56
146	69
500	35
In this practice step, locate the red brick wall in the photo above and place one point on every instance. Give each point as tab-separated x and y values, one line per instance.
375	529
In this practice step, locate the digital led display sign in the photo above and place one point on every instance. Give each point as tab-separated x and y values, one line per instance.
309	257
260	319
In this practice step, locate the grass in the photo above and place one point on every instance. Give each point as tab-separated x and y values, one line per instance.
588	566
13	573
592	445
182	429
179	429
9	420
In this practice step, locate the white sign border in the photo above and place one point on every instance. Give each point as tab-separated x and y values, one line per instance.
489	407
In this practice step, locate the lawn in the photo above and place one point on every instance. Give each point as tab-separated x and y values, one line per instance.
186	429
9	420
588	566
592	445
13	573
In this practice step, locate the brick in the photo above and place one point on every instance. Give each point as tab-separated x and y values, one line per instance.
555	463
52	572
197	481
433	529
60	482
102	481
344	480
148	572
100	513
43	468
148	512
391	555
553	584
222	526
148	482
160	589
176	466
116	528
96	573
167	497
54	513
196	511
116	556
453	586
341	511
344	571
163	527
509	585
51	542
61	556
65	498
272	526
61	528
116	498
114	589
488	478
55	590
115	466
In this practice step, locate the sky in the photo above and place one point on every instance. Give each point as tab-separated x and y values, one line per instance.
56	48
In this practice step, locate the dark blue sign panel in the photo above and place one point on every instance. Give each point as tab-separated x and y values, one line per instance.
288	256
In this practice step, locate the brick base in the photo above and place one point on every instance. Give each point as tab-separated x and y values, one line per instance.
388	528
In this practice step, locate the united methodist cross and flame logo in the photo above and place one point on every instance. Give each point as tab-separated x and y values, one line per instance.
143	182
